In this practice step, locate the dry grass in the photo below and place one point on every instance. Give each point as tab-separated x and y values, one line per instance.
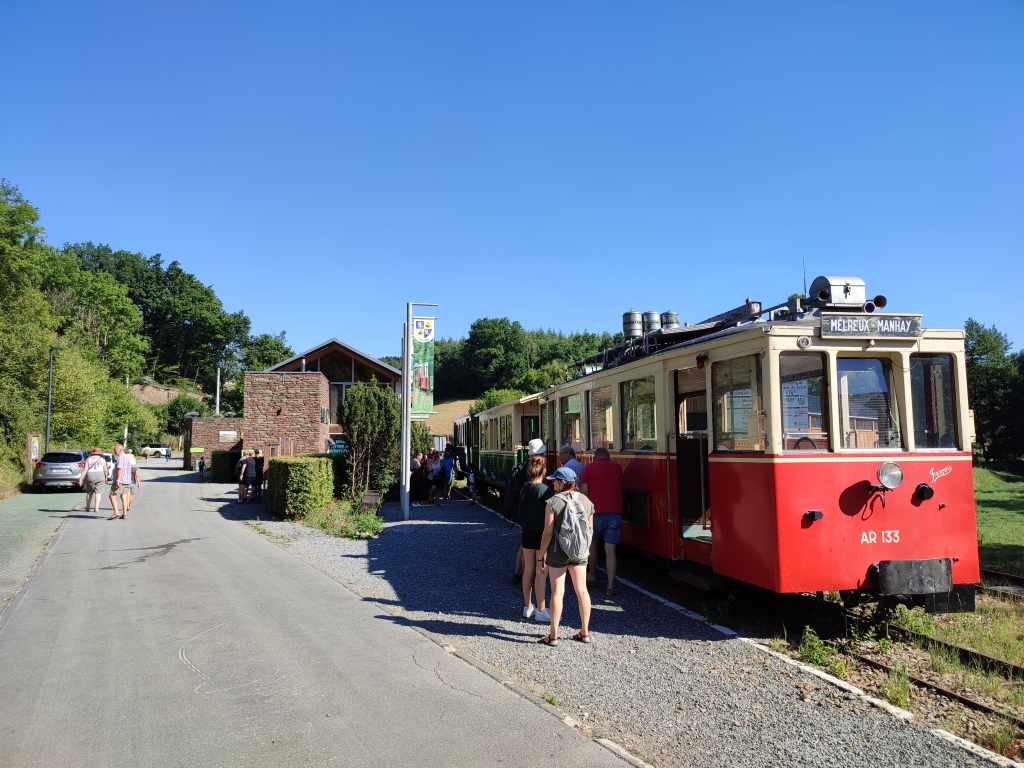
445	415
996	628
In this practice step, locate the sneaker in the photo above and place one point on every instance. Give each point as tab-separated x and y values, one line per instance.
528	611
542	617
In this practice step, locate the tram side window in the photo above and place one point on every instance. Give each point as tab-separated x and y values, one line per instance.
868	413
550	436
601	418
931	395
572	421
804	401
544	422
484	438
506	434
739	422
638	424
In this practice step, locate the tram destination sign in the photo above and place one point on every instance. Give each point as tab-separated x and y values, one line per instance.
859	326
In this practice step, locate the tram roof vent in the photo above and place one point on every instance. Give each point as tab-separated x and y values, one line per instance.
827	291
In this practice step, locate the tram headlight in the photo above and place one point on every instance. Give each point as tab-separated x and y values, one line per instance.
890	475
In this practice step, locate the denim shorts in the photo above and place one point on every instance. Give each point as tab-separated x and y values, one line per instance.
609	526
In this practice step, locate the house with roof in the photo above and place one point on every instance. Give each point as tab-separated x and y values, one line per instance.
292	407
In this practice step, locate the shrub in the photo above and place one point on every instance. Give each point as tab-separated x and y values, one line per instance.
222	466
896	688
299	485
813	649
371	418
339	467
339	520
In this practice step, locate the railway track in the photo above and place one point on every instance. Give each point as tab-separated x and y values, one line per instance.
1005	586
967	701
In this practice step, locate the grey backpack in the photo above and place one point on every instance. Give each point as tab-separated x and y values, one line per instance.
574	533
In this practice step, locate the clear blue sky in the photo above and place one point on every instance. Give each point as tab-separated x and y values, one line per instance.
322	164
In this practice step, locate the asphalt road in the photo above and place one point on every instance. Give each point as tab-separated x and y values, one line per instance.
177	637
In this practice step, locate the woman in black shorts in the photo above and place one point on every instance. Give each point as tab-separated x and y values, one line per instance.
533	501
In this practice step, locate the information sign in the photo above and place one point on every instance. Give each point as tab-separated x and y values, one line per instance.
849	326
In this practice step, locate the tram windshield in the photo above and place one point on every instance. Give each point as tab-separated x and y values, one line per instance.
572	422
601	420
804	401
931	393
868	415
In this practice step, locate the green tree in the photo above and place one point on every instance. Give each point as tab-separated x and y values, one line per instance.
395	361
493	397
21	252
179	406
267	349
420	438
995	384
494	354
371	419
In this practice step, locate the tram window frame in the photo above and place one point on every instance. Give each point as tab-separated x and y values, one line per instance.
485	438
790	403
723	373
544	423
629	415
601	422
889	369
566	421
919	396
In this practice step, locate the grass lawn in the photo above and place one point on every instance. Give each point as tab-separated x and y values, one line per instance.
999	497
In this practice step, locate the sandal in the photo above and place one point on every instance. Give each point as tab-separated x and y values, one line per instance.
551	642
611	591
113	517
579	637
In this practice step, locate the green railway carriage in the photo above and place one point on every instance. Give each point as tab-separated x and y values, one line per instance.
495	440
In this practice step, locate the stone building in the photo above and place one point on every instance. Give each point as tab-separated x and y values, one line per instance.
292	407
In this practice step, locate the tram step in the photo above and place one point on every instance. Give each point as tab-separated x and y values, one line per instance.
693	579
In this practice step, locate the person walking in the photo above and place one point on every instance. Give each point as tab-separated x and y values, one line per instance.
247	477
568	522
567	458
202	465
121	487
533	501
257	486
134	486
601	482
240	476
167	454
448	468
96	476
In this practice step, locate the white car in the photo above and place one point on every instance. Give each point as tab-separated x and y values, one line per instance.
153	449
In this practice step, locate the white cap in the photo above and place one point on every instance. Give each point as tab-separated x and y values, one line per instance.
536	447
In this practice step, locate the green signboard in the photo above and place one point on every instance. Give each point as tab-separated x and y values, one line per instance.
422	366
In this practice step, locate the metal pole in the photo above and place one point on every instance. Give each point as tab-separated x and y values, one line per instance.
128	387
406	391
217	407
49	401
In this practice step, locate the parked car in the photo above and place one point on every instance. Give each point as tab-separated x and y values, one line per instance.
58	469
109	458
154	449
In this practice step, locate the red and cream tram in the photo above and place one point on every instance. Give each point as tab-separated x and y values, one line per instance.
814	446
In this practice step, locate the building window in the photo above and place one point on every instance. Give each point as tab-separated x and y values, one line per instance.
804	400
868	414
601	417
739	422
572	428
638	417
931	394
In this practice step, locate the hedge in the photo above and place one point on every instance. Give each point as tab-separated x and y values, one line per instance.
222	466
299	485
339	466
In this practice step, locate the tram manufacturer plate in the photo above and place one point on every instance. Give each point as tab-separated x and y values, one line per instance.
843	326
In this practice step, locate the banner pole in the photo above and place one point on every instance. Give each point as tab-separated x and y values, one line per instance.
406	409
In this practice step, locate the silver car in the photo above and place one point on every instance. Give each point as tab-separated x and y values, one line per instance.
58	469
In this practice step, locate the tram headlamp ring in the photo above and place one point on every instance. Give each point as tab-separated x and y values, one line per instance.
890	475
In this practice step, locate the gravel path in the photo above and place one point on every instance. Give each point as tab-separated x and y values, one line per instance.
670	689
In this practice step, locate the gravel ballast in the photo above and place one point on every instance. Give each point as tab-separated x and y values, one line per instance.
672	690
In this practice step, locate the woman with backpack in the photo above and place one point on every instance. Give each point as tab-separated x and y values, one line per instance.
565	546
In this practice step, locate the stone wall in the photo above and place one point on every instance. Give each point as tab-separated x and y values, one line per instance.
279	406
280	409
205	433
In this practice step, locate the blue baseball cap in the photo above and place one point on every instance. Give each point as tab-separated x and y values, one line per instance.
563	473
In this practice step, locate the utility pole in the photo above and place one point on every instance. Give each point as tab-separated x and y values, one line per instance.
129	388
217	407
49	398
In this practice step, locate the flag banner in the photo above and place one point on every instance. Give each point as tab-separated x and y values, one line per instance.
422	366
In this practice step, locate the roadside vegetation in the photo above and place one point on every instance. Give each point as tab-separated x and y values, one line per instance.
339	520
109	316
999	497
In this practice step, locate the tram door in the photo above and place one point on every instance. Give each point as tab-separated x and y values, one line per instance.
692	448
